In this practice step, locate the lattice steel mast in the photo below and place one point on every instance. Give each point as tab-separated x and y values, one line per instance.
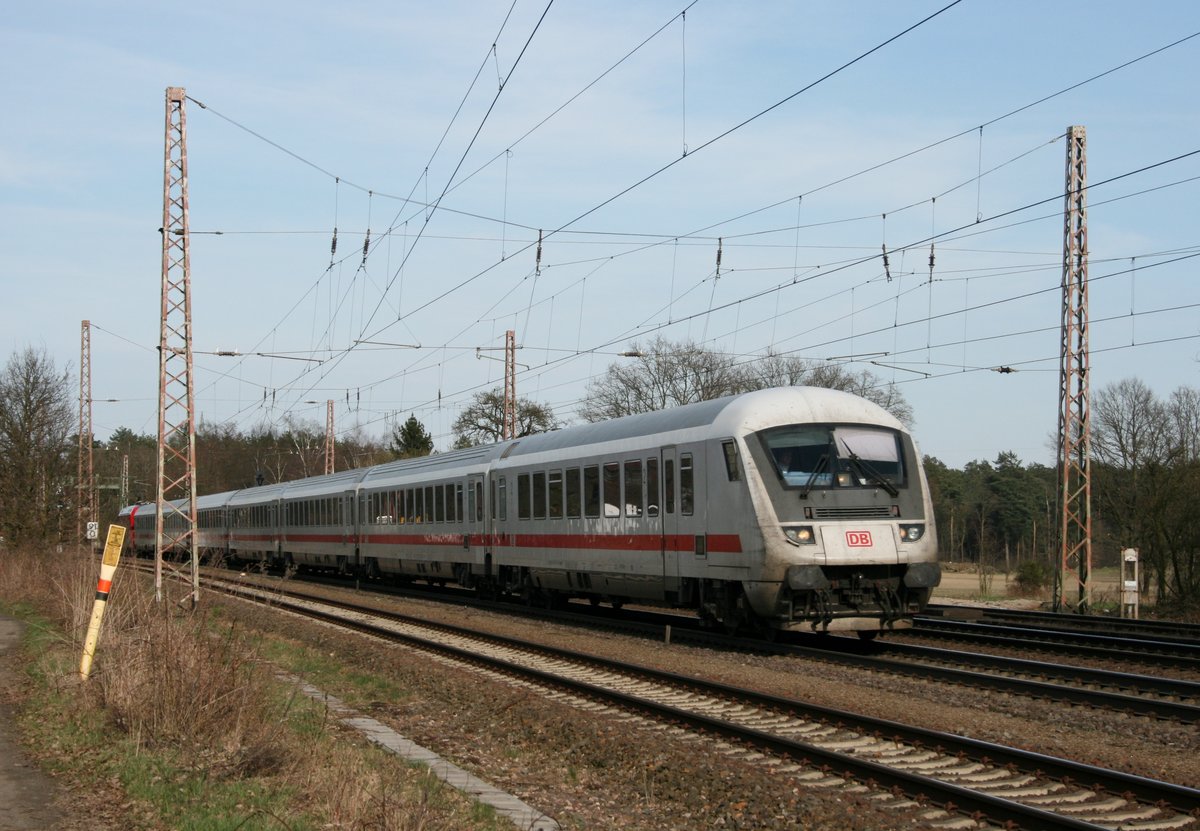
1074	412
329	436
509	427
175	518
85	480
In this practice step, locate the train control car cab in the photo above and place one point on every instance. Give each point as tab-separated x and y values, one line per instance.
851	531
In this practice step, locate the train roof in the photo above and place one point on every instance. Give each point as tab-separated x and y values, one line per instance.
422	467
733	415
728	416
343	480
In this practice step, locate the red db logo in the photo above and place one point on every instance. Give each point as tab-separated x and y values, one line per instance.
858	539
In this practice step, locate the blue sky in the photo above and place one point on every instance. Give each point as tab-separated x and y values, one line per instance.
363	92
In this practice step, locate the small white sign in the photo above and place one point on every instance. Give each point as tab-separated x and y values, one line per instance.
93	530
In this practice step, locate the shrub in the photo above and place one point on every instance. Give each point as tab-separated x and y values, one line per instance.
1032	576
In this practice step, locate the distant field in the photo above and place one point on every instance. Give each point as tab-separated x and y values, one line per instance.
964	585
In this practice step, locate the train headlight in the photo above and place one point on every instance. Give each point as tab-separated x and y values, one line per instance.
800	535
912	533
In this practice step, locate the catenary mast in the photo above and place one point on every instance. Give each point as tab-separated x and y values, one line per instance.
1074	413
175	517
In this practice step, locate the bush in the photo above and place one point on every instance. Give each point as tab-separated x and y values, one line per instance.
1032	576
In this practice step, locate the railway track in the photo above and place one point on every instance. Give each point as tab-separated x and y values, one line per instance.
966	777
1168	630
1170	653
1174	700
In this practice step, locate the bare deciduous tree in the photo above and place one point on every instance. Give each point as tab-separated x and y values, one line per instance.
36	422
1147	475
665	374
482	421
668	374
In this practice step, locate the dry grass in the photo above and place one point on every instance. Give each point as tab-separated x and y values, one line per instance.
205	736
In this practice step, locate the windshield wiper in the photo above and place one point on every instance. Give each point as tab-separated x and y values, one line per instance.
822	463
869	473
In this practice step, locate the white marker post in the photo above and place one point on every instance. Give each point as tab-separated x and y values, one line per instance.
108	567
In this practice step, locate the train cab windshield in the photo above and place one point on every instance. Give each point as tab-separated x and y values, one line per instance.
825	456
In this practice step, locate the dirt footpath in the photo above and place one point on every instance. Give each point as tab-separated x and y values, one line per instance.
27	796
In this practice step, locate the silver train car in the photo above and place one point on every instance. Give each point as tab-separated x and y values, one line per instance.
794	508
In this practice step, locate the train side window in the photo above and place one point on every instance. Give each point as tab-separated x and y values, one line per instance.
439	503
503	498
687	485
574	501
669	485
459	516
652	495
731	461
612	489
495	497
591	491
554	495
634	492
427	509
479	501
418	507
539	495
524	509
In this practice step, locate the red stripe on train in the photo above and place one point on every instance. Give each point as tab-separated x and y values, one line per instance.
716	543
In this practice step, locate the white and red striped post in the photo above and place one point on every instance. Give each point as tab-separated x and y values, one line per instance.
108	567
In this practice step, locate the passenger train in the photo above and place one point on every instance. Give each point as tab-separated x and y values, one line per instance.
793	508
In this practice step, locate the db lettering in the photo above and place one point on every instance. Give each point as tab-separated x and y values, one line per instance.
858	539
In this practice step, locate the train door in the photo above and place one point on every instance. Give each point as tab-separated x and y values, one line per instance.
475	541
669	514
275	553
345	546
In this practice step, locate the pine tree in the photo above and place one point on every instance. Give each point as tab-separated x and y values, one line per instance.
411	439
